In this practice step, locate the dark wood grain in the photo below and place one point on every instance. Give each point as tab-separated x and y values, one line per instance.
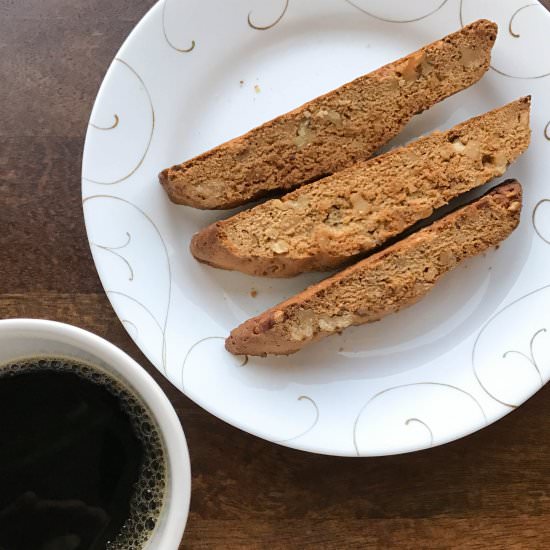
490	490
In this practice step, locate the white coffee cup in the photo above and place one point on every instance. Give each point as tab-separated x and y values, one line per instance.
25	338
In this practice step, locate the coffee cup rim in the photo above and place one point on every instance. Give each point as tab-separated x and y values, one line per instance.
169	532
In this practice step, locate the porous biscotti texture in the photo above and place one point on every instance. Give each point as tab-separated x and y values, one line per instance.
326	224
334	130
383	283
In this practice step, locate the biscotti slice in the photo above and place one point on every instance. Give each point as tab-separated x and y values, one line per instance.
334	130
383	283
325	224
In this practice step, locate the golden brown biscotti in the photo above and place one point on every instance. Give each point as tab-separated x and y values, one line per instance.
383	283
334	130
326	224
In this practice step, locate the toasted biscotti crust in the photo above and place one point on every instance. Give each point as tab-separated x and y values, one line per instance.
383	283
334	130
325	224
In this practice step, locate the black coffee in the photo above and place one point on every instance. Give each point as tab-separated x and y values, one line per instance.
81	460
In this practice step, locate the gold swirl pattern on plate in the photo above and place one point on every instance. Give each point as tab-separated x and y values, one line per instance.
198	342
149	313
413	419
351	3
387	20
112	127
424	425
271	25
306	399
113	251
162	326
168	41
514	35
136	301
530	358
301	398
142	158
534	217
130	324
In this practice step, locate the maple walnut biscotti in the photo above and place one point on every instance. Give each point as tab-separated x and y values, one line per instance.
335	130
326	224
383	283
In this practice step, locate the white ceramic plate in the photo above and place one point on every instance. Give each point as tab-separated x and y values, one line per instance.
195	73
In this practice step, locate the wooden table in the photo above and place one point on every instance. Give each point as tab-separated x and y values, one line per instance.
491	489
